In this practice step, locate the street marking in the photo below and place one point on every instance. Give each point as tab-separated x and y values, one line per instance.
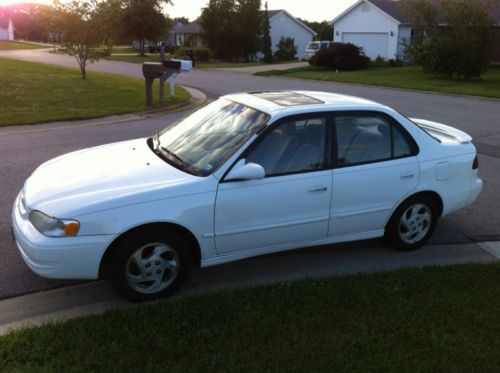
492	247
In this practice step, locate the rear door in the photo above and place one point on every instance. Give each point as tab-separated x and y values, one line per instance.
375	168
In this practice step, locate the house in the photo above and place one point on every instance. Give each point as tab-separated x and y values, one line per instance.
188	35
170	36
375	25
379	27
6	27
283	24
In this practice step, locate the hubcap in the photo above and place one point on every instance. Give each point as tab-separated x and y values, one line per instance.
415	223
152	268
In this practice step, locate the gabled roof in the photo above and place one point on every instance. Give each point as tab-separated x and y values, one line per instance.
274	13
189	28
392	8
390	5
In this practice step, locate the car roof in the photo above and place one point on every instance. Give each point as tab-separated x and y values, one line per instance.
296	102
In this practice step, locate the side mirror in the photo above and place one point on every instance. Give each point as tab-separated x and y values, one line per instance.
246	171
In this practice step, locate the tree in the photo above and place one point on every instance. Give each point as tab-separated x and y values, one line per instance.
453	38
266	37
249	27
81	31
323	30
143	20
30	20
182	20
286	49
231	28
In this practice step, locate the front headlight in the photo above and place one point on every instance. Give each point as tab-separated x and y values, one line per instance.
53	227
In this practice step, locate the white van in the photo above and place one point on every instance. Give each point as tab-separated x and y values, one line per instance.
315	46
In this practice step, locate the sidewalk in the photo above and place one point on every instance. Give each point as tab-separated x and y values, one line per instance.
369	256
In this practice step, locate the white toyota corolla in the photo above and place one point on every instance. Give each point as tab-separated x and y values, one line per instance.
248	174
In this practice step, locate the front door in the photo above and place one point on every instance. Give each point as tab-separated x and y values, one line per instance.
291	204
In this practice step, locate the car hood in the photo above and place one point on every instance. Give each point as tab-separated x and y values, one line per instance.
101	178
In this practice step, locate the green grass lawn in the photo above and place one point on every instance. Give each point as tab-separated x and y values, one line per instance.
402	77
35	92
11	45
414	320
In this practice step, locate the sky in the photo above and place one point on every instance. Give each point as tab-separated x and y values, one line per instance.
311	10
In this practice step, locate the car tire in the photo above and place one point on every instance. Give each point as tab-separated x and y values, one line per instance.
149	264
412	224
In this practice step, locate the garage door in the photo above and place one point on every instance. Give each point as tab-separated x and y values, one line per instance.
374	44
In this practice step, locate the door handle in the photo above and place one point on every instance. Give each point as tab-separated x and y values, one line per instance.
407	175
317	189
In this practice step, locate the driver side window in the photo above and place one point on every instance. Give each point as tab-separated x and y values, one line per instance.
293	146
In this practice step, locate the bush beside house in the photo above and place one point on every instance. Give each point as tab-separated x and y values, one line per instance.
287	50
341	56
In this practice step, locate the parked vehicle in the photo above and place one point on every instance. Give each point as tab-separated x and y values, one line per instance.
314	46
248	174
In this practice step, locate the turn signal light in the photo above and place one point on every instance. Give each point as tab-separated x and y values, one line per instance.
71	229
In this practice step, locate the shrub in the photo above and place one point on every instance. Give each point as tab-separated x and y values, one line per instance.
286	49
379	62
462	48
341	56
200	54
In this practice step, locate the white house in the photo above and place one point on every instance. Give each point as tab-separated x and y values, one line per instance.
375	25
284	24
281	23
6	28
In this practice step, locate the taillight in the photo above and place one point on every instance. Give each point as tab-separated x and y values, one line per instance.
475	165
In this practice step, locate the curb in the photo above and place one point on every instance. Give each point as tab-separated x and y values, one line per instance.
97	297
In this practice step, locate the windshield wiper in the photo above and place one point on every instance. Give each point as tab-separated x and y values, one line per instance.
173	155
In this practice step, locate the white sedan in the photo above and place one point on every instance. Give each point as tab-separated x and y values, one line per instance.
248	174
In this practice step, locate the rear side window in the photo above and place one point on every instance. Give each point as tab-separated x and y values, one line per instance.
367	138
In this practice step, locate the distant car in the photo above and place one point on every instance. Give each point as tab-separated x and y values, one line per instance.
314	46
248	174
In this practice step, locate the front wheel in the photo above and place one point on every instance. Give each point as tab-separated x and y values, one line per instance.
412	224
149	265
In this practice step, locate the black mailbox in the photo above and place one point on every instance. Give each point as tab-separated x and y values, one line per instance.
153	69
174	65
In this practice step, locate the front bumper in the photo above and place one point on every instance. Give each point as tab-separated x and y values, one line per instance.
65	258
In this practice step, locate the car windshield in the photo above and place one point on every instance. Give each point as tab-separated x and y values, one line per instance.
202	141
313	46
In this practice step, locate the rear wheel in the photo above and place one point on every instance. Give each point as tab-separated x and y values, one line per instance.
412	224
149	265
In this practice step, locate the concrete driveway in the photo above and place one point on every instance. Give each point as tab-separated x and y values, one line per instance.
23	148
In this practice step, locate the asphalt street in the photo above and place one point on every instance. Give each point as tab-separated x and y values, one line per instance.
23	148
